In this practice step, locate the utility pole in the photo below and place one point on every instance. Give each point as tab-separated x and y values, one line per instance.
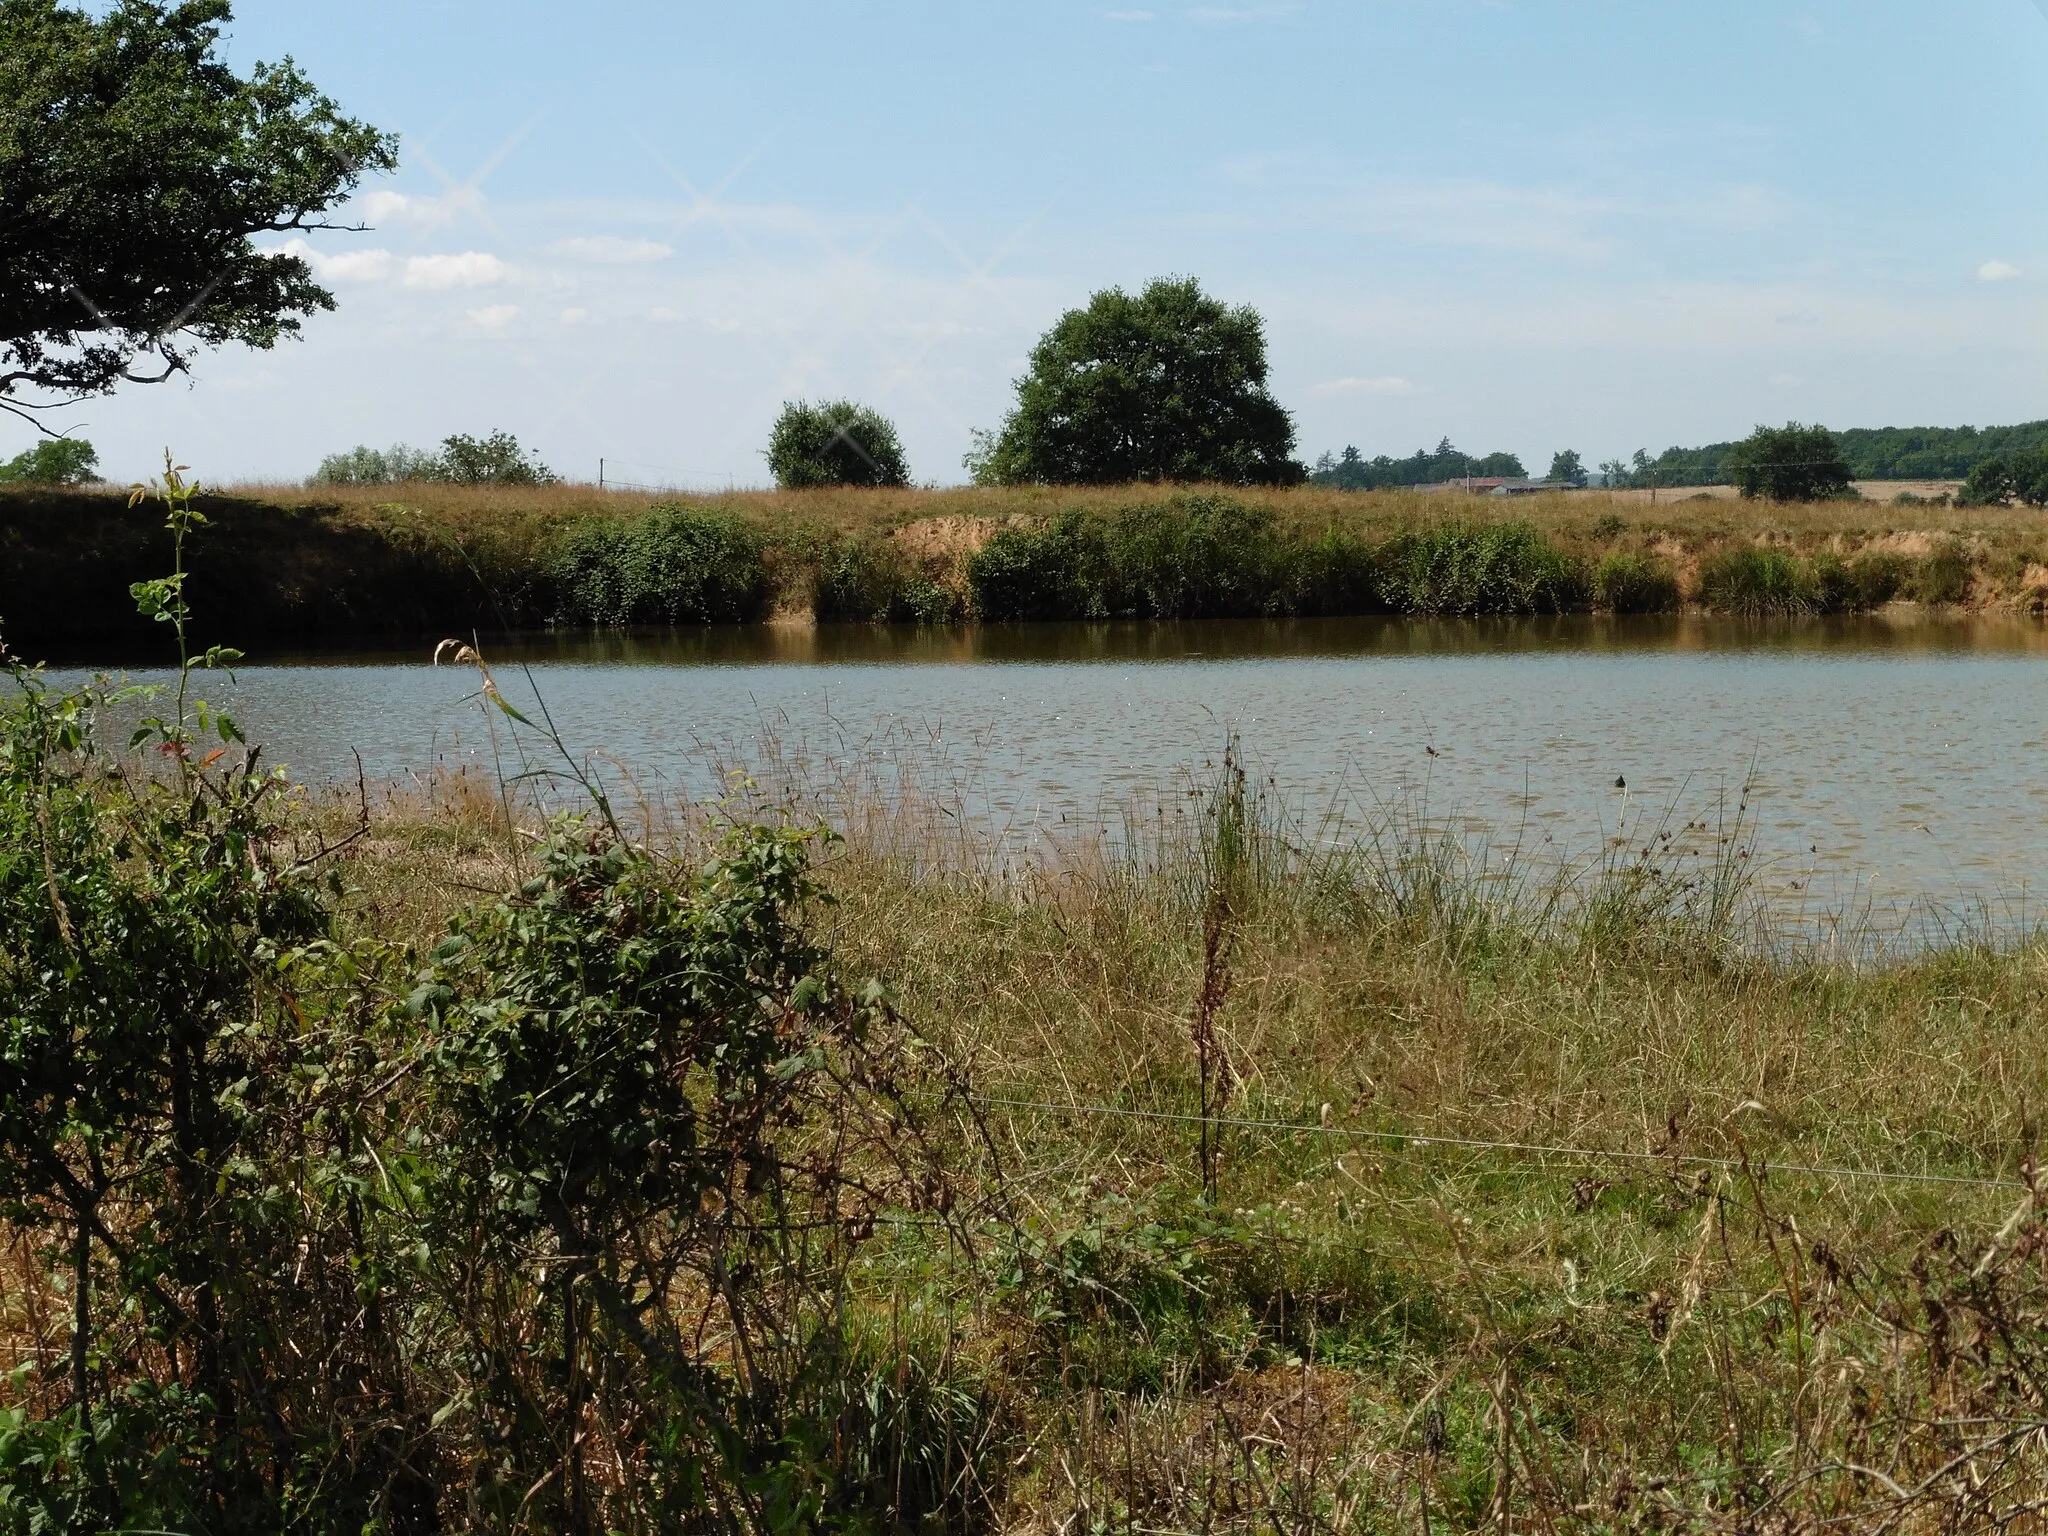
600	474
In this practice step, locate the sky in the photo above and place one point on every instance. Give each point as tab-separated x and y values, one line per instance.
629	230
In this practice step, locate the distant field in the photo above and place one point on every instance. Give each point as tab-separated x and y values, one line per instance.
1870	490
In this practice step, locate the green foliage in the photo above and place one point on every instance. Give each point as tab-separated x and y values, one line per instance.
1627	583
676	565
1568	468
1211	557
871	581
463	460
1789	463
1944	576
1872	453
1055	572
349	1250
364	465
135	165
494	460
1191	557
1508	568
1755	580
52	461
836	442
1168	384
1352	471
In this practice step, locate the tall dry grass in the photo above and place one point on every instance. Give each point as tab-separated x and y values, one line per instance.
1537	1200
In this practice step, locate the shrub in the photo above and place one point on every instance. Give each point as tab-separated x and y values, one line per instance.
1944	576
675	566
871	581
53	461
836	442
1508	568
1755	581
1876	577
1054	572
1197	557
1335	573
1790	463
1634	584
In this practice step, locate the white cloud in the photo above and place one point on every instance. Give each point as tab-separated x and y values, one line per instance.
1383	386
471	269
610	250
1997	272
494	317
397	208
371	266
666	316
575	316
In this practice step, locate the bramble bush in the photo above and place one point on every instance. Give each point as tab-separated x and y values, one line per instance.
359	1240
676	565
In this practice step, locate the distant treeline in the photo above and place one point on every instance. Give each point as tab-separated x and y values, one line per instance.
1874	453
1353	471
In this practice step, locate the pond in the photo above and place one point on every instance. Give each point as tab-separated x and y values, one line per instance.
1888	760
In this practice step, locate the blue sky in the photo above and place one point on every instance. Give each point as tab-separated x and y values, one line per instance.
632	229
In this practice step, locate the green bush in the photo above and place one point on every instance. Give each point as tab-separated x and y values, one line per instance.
675	566
1944	576
1869	581
871	581
1055	572
1194	557
836	442
1634	584
1335	574
1197	557
1507	568
1755	581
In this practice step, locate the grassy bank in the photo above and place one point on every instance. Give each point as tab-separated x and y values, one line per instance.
1189	1173
298	565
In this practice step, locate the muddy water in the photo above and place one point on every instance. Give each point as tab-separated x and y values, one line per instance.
1887	760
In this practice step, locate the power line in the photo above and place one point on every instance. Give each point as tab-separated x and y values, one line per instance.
1584	1154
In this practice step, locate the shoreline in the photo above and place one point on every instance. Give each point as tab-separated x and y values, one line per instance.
347	565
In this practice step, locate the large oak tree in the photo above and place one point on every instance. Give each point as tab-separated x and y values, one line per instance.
135	167
1167	384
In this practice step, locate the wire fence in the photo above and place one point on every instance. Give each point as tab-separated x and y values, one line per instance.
642	476
1397	1140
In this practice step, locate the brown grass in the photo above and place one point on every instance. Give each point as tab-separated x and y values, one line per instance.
1366	1332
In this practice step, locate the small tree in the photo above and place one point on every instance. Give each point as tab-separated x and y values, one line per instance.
1169	384
1568	468
1789	463
53	461
494	460
836	442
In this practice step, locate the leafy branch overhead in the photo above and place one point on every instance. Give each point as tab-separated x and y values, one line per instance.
135	166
